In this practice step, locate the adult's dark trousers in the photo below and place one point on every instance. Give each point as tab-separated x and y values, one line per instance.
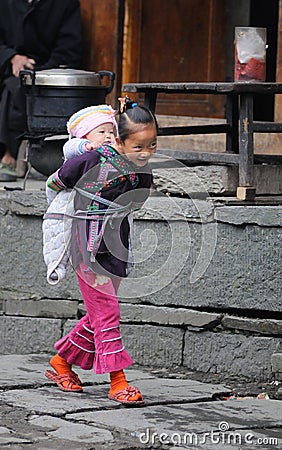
12	116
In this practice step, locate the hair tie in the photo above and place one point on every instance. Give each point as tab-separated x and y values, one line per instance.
126	103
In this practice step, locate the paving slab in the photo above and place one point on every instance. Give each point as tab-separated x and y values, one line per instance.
199	422
27	370
199	417
22	433
51	400
178	413
63	429
14	441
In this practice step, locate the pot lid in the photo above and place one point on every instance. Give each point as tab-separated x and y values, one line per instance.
63	77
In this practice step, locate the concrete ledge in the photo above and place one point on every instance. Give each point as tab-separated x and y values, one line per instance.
163	209
257	326
216	179
211	179
207	267
28	335
266	216
245	356
42	308
27	203
151	345
166	337
237	266
168	316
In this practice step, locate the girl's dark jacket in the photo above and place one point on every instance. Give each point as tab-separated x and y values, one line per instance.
48	31
112	257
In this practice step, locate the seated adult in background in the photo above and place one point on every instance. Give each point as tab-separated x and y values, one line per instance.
34	34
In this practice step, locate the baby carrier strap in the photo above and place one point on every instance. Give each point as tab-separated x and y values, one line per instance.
119	163
96	228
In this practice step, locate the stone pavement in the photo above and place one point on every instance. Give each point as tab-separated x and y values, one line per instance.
178	413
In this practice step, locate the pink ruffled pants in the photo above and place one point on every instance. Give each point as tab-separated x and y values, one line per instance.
95	341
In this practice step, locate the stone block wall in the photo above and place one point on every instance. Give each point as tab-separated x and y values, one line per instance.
205	292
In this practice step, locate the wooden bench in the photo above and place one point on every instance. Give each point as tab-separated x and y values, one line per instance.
238	126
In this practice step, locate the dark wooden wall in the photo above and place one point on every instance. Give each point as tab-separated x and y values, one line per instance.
163	40
176	40
173	40
102	29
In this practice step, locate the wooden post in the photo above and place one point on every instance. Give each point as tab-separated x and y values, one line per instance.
150	100
232	143
246	189
278	98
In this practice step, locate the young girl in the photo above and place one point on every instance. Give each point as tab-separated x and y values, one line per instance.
108	183
89	128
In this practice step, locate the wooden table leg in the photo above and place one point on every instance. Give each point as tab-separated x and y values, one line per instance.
246	190
150	100
232	119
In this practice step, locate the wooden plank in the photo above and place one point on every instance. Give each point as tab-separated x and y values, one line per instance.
180	88
195	158
194	129
206	88
199	157
268	159
267	127
263	88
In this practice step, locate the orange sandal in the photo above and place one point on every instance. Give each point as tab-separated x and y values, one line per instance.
71	378
124	396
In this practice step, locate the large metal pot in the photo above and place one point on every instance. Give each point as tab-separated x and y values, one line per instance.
46	154
53	95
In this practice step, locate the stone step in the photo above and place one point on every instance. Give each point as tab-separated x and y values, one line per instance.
215	179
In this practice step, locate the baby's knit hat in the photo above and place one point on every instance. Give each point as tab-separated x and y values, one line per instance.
86	119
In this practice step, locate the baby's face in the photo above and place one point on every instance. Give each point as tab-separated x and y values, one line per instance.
102	135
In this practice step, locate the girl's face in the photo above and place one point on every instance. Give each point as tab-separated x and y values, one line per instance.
103	134
139	146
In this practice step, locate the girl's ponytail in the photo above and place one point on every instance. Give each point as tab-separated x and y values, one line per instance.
131	116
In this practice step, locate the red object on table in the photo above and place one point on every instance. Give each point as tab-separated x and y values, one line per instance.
254	69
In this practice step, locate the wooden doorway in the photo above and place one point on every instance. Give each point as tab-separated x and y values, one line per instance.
102	39
176	40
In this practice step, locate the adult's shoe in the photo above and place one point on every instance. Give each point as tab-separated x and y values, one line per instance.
7	172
